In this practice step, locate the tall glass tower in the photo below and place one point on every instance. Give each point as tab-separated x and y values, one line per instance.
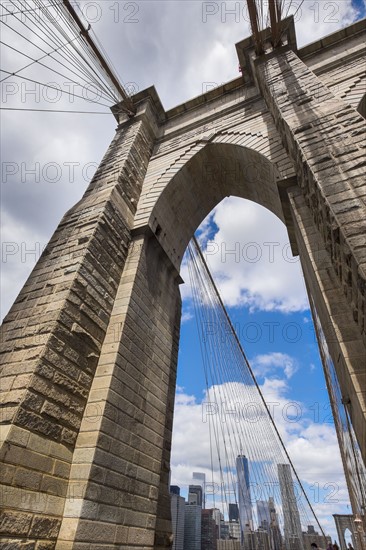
245	505
199	478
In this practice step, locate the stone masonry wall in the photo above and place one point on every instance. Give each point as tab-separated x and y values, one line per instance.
120	472
52	338
326	138
341	332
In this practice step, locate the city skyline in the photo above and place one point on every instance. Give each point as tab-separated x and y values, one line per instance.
258	512
196	528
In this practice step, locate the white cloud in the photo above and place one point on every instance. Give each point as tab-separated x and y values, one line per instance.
314	21
250	259
316	453
274	362
182	398
186	316
205	50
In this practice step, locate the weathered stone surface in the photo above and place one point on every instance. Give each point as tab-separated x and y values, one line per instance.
330	304
52	337
12	523
45	545
44	528
19	544
332	211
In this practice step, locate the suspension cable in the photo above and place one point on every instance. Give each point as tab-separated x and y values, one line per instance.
252	376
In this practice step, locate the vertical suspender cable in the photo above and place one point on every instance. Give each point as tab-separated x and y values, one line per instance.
253	377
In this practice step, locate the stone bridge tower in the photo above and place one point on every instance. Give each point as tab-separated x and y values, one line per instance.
90	345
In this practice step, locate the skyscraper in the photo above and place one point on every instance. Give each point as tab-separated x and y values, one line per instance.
291	516
195	494
219	518
233	512
199	478
192	527
177	506
264	519
245	505
263	539
209	533
234	530
175	490
275	533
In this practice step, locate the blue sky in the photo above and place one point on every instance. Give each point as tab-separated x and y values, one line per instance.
268	305
360	6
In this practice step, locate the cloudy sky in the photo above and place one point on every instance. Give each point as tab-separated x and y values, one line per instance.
267	302
183	48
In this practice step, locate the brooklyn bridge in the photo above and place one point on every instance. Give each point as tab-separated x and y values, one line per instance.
89	348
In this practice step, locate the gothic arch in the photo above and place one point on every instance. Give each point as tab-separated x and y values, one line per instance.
345	530
216	171
348	536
